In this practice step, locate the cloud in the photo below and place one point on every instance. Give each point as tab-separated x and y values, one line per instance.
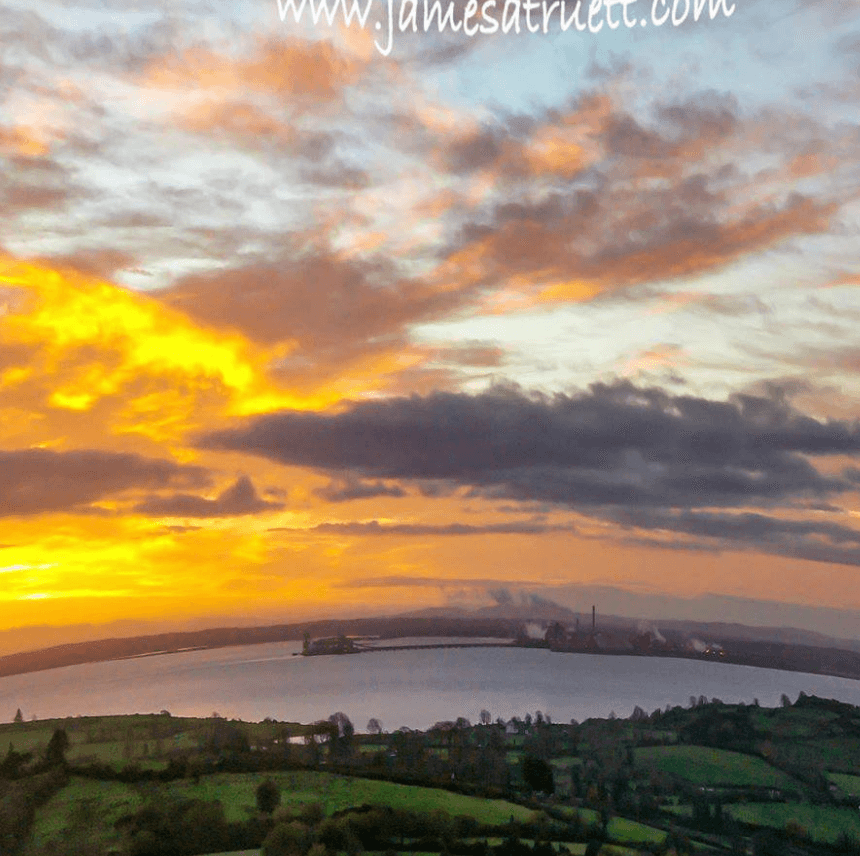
346	316
621	241
37	183
472	354
394	581
588	200
615	445
103	262
79	345
641	458
292	68
349	488
318	298
238	499
801	539
374	527
33	481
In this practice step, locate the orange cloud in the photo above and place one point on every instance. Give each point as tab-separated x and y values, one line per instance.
21	140
125	361
316	71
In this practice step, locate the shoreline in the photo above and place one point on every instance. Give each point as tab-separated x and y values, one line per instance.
735	658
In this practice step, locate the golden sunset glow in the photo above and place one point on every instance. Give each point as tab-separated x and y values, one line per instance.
289	328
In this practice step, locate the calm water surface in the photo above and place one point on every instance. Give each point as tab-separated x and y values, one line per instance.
413	688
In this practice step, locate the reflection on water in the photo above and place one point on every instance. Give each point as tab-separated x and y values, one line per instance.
414	688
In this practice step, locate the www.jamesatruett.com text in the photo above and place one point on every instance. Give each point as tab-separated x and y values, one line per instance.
492	16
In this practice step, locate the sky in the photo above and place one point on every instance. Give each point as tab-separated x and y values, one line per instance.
305	319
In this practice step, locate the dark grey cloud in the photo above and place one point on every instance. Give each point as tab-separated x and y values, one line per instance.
643	458
33	481
374	527
349	488
615	445
240	498
501	595
816	540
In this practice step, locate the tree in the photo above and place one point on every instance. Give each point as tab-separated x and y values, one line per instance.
342	732
13	763
593	847
19	717
224	737
537	774
486	717
57	746
374	726
785	701
268	796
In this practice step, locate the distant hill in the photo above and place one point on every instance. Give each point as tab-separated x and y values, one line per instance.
780	647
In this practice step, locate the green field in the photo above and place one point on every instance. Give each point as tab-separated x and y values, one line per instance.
803	739
83	802
237	853
237	794
633	832
145	739
566	761
705	766
99	804
840	753
849	784
822	823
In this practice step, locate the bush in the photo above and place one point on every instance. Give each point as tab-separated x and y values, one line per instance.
183	827
268	796
287	839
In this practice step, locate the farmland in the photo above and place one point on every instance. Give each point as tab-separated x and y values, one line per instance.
702	779
705	765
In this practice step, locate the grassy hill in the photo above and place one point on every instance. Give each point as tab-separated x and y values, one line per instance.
710	778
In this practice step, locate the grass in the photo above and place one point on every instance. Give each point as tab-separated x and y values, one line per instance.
633	832
97	805
849	784
679	810
93	805
566	761
142	739
842	753
237	794
237	853
705	766
797	724
823	823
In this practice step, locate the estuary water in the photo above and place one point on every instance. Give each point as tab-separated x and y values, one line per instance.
413	688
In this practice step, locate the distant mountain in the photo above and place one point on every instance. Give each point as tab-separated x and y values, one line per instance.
708	631
777	647
783	635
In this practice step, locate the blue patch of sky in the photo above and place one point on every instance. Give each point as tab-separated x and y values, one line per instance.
761	54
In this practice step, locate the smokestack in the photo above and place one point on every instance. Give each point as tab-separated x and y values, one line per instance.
593	618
